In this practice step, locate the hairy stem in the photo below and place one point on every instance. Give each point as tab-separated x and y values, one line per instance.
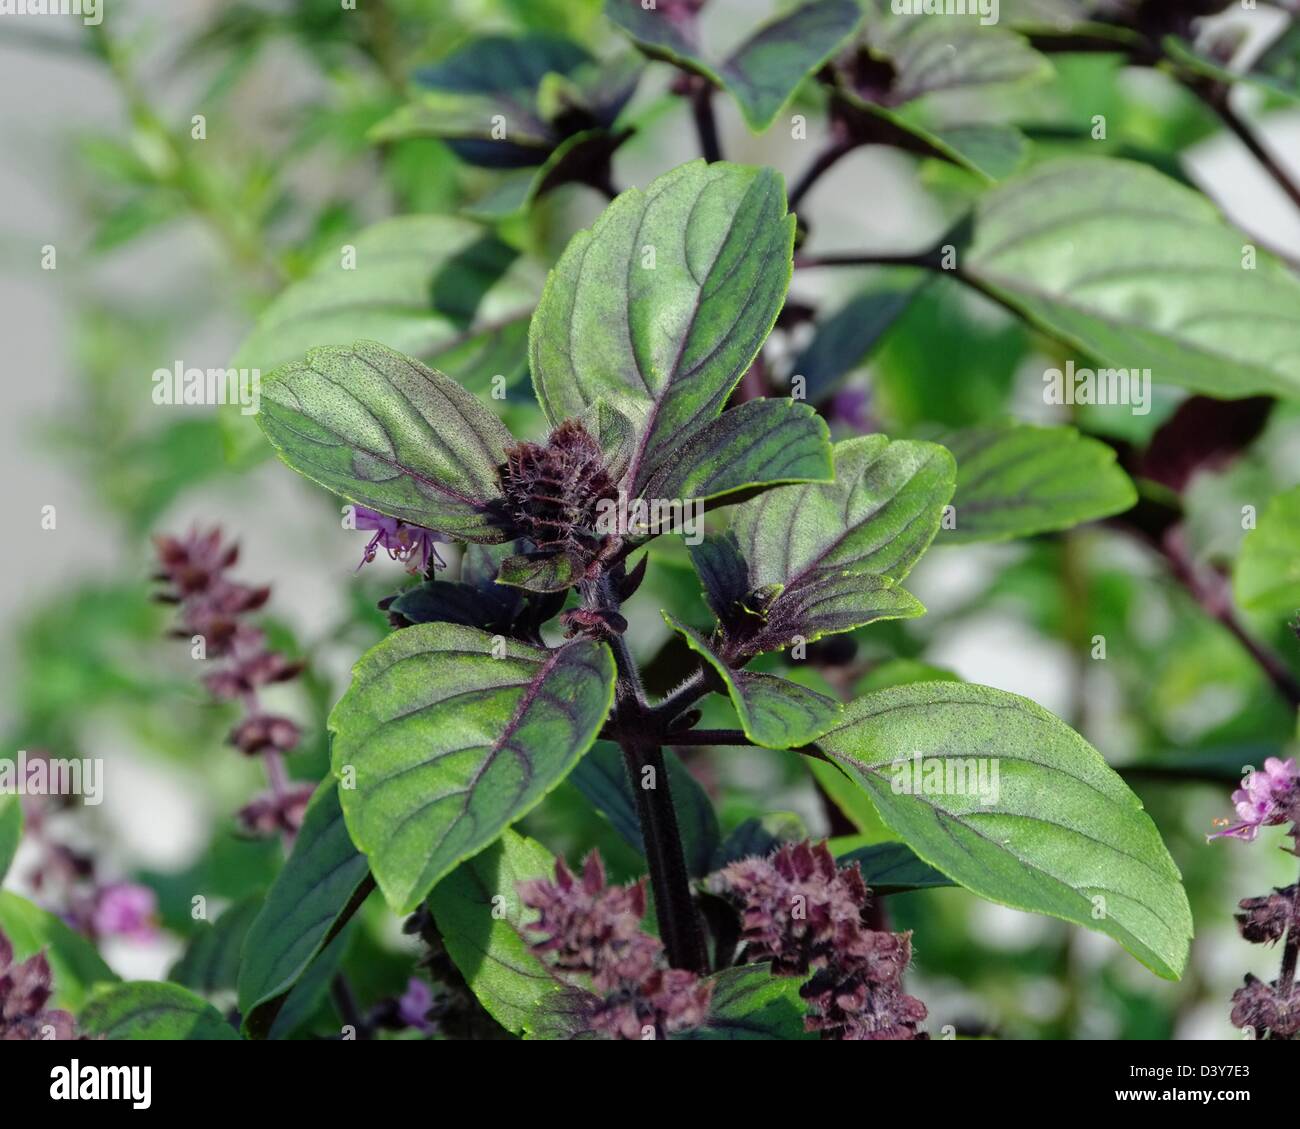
679	922
735	737
662	714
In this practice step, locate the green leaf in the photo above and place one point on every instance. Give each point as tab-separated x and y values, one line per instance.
401	292
458	98
850	799
669	40
1139	272
991	150
381	430
494	63
481	919
760	836
451	601
750	1003
580	158
321	885
304	999
774	712
614	433
821	559
932	56
601	777
899	672
1266	577
152	1010
563	1015
764	72
210	963
403	269
450	745
845	339
660	308
553	572
468	119
1014	480
893	868
75	965
752	447
1274	70
1056	831
937	69
11	830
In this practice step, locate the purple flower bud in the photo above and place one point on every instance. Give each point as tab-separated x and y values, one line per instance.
1267	1009
553	493
263	732
852	407
1264	799
123	909
797	907
274	814
596	929
1265	920
24	991
803	912
414	1005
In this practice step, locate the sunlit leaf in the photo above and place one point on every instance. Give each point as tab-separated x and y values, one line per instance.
439	745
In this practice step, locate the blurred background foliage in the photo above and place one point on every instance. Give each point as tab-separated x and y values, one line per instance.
310	140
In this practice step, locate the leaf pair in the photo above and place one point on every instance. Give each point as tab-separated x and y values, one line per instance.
805	561
645	327
914	79
764	71
508	102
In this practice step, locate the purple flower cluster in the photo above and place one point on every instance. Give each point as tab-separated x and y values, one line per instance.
803	913
1272	1010
1267	799
1264	799
553	493
596	929
25	989
66	882
211	605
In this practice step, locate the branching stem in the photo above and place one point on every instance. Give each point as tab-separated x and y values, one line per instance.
679	922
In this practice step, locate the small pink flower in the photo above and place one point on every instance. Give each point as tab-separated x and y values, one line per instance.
414	1005
405	543
1264	799
123	909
